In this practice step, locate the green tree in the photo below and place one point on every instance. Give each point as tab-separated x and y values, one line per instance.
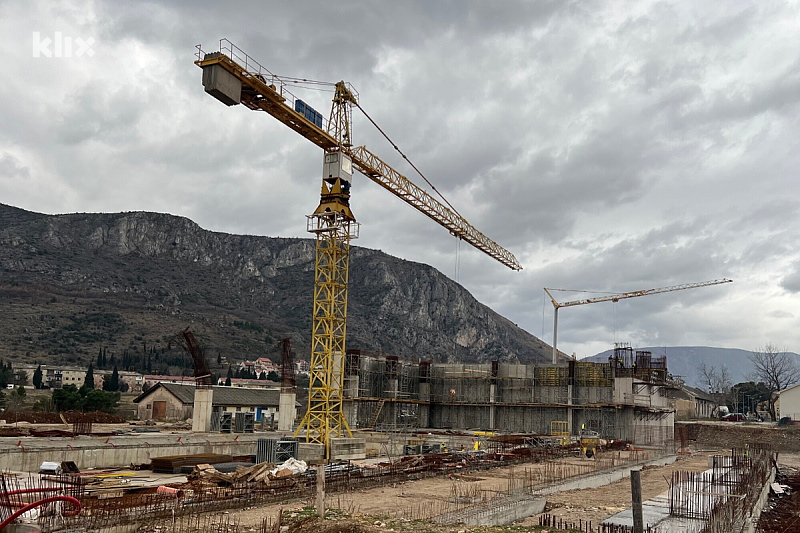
228	381
3	399
100	359
88	381
263	375
97	400
111	382
273	376
67	398
37	377
745	397
6	374
17	399
44	405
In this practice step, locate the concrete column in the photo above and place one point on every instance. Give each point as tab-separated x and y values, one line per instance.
350	408
636	500
424	409
391	407
569	408
492	405
287	410
321	490
201	417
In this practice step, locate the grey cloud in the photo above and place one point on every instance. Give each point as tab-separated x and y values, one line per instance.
11	167
609	147
791	281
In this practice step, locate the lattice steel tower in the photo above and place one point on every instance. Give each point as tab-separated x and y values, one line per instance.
335	226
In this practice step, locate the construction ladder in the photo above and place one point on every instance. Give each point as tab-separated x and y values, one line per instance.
374	420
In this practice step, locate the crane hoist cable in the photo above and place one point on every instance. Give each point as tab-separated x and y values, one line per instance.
418	171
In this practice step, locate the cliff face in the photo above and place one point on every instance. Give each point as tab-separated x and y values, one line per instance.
148	275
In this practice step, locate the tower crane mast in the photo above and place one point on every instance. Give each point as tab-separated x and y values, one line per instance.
615	298
233	77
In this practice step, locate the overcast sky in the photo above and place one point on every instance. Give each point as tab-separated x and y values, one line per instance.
611	146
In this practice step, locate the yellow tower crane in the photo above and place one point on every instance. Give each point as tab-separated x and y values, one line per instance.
616	298
233	78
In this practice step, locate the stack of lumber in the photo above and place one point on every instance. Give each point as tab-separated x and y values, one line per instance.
255	473
172	464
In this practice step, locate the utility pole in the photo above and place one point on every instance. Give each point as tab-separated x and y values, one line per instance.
636	500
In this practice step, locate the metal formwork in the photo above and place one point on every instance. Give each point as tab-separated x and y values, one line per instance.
226	422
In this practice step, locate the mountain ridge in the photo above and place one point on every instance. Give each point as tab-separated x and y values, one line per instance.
73	284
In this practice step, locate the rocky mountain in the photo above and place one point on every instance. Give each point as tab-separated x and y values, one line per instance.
78	285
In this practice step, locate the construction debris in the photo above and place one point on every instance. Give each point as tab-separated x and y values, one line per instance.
262	472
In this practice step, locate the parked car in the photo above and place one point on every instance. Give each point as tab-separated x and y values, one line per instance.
734	417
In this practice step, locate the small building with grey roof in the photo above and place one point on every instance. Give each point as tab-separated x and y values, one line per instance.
175	401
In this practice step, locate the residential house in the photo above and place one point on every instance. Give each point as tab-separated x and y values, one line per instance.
134	380
301	366
55	378
265	364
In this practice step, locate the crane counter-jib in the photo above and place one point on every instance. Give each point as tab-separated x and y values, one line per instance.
231	83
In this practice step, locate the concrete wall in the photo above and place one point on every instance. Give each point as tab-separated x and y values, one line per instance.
124	450
685	409
790	403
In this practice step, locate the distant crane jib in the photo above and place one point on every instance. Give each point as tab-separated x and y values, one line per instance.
615	298
635	294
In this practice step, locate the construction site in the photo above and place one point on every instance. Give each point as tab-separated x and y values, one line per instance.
386	442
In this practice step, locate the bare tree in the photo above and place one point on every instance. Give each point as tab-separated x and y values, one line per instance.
776	368
717	382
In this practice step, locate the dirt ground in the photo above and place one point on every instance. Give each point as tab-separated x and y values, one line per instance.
597	504
709	434
398	505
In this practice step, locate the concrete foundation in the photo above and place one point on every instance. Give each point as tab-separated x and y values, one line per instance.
345	449
124	450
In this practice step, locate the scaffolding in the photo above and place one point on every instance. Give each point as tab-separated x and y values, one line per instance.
391	394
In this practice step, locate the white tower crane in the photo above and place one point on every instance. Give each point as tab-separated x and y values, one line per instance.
616	298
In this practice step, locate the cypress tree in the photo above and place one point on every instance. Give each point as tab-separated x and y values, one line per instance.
88	381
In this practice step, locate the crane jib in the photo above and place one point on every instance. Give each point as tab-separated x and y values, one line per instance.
230	83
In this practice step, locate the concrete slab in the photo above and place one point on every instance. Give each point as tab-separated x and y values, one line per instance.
343	449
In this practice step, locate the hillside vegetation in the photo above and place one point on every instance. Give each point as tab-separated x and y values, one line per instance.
127	283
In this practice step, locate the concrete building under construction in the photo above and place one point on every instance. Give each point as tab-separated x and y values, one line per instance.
625	398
